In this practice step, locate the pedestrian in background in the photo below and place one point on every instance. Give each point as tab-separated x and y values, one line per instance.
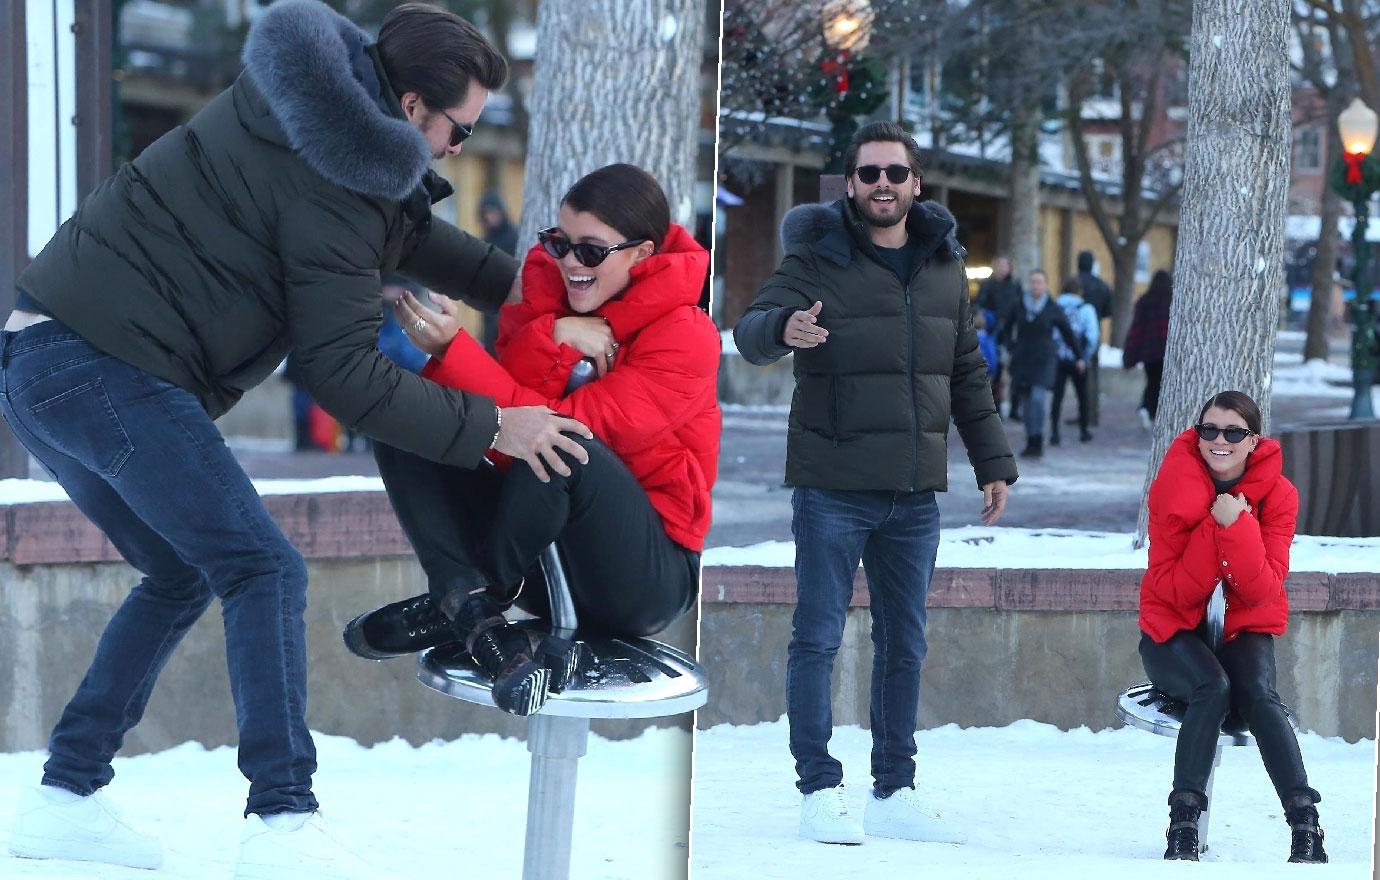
1082	317
1029	331
1146	342
998	295
1098	295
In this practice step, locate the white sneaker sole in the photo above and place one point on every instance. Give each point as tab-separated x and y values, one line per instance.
841	839
906	831
28	846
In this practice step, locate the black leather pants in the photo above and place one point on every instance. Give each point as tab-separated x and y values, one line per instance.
475	528
1238	678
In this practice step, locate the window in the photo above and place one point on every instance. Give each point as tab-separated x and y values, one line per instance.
1308	149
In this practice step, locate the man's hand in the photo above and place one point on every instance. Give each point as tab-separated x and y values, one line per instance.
1227	508
590	336
802	330
994	497
534	433
430	331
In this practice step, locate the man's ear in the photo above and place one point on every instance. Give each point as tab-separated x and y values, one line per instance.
412	105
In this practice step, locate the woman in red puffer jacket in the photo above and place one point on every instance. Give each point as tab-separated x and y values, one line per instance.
615	288
1221	512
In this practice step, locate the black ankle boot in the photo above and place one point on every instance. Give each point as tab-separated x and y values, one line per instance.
1034	447
404	627
1306	840
1053	438
504	652
1182	836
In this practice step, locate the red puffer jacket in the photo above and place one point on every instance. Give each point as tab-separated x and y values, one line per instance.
657	408
1190	552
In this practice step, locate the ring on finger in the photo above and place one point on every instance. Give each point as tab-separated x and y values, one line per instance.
420	325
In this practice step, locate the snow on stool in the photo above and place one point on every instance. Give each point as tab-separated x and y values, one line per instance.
615	678
1142	706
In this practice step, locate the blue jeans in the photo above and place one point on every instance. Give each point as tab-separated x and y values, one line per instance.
141	458
896	536
1036	411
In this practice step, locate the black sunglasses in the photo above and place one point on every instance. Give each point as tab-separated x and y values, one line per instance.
870	174
555	243
1209	432
459	132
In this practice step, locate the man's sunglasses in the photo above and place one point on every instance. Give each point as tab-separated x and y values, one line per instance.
555	243
1233	434
870	174
458	131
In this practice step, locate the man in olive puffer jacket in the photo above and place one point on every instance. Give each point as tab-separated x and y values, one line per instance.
871	298
258	228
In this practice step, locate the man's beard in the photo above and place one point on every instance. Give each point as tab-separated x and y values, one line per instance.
873	217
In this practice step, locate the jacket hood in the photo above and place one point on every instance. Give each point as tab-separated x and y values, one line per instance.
669	279
835	231
1066	300
1190	485
323	85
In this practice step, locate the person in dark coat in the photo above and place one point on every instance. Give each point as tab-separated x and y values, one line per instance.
499	232
1147	339
1223	514
1097	294
998	295
260	227
1029	330
872	301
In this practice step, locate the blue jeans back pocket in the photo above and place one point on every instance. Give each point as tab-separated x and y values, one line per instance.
82	423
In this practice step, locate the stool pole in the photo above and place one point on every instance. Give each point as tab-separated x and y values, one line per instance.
557	744
1207	813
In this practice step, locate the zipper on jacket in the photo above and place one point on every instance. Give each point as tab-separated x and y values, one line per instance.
910	383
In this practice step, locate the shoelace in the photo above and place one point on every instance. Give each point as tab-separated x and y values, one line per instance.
836	800
418	617
1306	843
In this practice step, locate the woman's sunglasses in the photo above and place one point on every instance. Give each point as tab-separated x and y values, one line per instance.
870	174
459	132
1233	434
555	243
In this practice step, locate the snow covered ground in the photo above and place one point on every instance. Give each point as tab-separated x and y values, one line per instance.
1035	801
446	809
1007	547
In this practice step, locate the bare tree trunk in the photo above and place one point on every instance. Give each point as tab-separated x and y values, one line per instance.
1025	192
1325	261
1123	288
613	82
1230	257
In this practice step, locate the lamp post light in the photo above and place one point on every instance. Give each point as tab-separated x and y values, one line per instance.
1356	177
847	26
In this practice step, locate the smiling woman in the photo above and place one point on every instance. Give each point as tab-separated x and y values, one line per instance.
1223	515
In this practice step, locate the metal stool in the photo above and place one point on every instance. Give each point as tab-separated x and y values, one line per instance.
616	678
1141	705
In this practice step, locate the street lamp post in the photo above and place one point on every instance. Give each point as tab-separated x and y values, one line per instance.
1356	177
847	31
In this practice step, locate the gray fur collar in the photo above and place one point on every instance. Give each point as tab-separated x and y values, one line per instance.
826	229
311	66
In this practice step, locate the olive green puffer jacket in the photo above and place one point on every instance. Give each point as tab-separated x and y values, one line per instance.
262	226
872	404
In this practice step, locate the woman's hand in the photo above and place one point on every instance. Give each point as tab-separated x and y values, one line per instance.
590	336
430	331
1228	507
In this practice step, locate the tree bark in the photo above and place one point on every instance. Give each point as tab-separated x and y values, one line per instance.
613	82
1025	193
1315	343
1230	258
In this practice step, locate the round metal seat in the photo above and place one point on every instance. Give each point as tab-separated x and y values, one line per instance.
614	678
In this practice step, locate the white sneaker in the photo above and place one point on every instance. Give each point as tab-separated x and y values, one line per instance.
902	816
307	853
56	824
824	817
